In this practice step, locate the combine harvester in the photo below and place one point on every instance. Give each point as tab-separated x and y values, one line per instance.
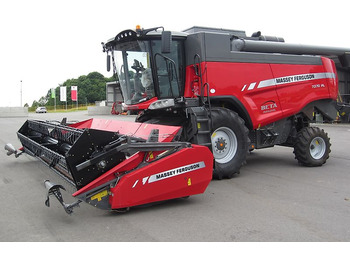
205	98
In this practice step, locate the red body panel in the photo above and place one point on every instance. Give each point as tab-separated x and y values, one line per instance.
229	79
184	173
296	95
269	92
126	165
142	130
140	106
329	66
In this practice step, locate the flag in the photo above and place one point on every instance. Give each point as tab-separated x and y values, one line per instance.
53	93
74	93
63	93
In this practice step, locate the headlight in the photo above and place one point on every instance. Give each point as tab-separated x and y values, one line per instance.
164	103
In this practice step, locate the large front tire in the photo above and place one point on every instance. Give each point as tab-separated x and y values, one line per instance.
312	146
229	142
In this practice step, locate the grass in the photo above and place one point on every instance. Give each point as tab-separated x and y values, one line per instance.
82	108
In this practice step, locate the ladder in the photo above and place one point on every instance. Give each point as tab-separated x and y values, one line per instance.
202	123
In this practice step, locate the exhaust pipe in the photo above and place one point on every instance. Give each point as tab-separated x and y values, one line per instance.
53	189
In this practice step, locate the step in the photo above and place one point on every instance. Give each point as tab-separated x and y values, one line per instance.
202	120
206	144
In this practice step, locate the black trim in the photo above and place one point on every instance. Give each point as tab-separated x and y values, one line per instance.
213	47
235	105
327	107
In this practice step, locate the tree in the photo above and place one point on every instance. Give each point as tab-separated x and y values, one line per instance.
35	104
91	88
43	100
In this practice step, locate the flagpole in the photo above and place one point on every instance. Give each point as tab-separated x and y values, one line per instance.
53	95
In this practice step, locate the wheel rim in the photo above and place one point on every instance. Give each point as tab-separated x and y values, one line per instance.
224	143
317	147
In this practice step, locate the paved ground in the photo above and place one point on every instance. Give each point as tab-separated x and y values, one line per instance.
273	199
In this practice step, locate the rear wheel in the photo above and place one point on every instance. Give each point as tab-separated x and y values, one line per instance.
312	146
229	142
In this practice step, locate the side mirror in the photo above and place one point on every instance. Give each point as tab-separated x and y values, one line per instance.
166	42
108	63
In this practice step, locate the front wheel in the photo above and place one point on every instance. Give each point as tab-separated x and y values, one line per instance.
312	146
229	142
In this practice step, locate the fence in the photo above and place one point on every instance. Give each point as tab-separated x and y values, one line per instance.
70	107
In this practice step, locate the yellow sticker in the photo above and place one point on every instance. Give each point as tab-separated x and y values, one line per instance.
189	183
100	195
199	125
151	155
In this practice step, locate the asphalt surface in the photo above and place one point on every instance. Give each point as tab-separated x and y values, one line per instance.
272	199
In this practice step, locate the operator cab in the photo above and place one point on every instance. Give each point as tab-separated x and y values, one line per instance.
150	65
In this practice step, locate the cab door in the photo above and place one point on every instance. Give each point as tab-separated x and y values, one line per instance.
169	69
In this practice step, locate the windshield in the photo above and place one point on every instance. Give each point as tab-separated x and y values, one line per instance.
133	67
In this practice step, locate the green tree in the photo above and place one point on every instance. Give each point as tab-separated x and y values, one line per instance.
91	88
43	100
35	104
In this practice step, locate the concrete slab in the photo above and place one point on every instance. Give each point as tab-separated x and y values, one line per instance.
99	110
272	199
13	111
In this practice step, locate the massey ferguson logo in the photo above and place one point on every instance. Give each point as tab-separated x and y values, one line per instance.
275	82
268	107
171	173
296	78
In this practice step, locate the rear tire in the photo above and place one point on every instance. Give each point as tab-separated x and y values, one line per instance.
229	142
312	146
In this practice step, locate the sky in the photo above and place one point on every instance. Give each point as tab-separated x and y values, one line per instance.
44	43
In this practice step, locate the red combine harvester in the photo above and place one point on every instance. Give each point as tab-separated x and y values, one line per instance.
205	97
